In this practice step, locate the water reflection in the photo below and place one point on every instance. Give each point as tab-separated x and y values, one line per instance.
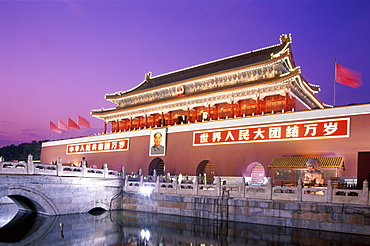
132	228
8	211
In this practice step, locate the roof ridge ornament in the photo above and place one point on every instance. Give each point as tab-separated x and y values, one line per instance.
148	76
285	39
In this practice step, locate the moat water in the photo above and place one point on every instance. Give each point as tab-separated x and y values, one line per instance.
127	228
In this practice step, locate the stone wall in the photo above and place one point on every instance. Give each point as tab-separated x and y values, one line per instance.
310	215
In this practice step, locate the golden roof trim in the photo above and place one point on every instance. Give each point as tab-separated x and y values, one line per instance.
300	162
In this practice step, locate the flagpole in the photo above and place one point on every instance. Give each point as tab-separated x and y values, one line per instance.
335	71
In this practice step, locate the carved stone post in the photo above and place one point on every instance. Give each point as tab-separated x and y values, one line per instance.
155	175
59	167
269	188
84	170
126	181
105	168
30	165
156	189
242	187
299	189
218	186
196	186
365	193
168	178
141	181
329	192
1	159
84	167
124	172
176	183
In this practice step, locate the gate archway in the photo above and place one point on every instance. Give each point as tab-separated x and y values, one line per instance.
157	164
206	168
256	172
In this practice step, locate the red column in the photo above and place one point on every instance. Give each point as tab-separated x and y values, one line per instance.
287	102
232	110
188	115
258	111
105	127
239	108
113	123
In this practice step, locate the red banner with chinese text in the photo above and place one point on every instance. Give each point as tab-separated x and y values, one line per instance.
101	146
320	129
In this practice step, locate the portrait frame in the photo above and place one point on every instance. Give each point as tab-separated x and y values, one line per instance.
159	150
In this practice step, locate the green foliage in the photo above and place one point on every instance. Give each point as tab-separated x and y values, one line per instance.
20	152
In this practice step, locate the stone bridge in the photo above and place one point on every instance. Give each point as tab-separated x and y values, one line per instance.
57	189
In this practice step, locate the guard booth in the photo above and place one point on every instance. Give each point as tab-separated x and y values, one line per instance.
286	171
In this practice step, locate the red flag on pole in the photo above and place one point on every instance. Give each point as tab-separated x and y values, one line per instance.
63	126
72	124
348	77
83	122
54	128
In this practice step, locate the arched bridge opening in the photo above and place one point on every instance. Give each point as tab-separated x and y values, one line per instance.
30	200
97	211
26	204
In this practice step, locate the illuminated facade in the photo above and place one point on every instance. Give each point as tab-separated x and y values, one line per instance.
229	117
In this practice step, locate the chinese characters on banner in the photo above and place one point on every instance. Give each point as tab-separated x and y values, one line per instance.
330	128
102	146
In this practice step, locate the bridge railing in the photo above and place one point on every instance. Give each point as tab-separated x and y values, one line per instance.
171	185
176	185
58	169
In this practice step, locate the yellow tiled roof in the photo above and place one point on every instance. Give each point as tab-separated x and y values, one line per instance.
300	162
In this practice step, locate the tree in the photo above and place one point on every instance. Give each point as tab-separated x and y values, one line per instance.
20	152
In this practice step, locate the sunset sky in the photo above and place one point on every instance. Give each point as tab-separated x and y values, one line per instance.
58	59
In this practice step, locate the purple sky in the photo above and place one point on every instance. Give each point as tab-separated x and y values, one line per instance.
59	58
